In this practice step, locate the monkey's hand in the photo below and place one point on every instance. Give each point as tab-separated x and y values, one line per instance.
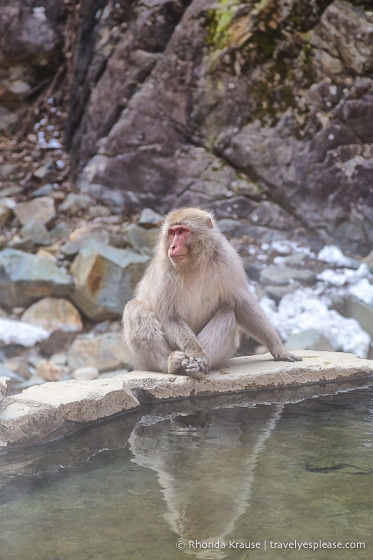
195	367
179	363
286	357
175	362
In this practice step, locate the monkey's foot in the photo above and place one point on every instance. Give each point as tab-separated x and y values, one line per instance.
287	357
195	367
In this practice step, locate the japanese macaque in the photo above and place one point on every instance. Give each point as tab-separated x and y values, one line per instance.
191	300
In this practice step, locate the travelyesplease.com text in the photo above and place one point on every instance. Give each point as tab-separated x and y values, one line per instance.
265	545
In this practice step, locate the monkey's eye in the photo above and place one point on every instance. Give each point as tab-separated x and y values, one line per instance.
171	233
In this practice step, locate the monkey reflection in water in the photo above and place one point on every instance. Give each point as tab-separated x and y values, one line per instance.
205	462
193	296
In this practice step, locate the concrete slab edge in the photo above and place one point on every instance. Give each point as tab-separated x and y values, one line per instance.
48	411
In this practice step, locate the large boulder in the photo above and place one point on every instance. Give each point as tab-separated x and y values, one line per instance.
105	278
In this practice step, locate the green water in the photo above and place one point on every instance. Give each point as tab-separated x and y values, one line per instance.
232	477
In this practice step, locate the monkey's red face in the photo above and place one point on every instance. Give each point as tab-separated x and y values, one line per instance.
178	238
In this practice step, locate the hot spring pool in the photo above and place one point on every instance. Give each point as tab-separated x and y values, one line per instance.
287	475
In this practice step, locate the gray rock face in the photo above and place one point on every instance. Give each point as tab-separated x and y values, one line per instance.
105	279
24	278
29	45
215	116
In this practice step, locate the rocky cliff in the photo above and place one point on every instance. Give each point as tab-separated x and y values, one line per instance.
261	111
228	104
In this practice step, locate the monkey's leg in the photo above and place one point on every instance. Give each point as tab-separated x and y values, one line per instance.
219	337
145	344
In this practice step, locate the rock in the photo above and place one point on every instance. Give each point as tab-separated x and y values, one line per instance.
60	231
74	203
17	332
19	365
7	206
281	275
149	218
85	373
11	190
44	190
54	314
55	409
41	210
98	211
59	358
21	243
140	239
49	371
25	278
7	169
105	278
305	138
44	172
37	233
85	239
355	49
58	341
360	311
103	352
369	260
278	292
309	339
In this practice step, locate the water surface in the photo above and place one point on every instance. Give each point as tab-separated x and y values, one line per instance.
237	477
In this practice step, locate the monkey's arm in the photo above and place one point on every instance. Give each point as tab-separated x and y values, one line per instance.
191	356
253	320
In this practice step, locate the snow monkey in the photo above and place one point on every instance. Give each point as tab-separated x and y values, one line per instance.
190	301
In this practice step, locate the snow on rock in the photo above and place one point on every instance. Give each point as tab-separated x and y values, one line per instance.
344	276
333	255
305	309
350	282
286	247
363	290
18	332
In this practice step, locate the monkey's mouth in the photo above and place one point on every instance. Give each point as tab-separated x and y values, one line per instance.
177	258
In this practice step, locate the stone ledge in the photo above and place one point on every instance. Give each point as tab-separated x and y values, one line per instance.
51	410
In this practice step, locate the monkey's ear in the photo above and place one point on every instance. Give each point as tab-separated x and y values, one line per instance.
209	223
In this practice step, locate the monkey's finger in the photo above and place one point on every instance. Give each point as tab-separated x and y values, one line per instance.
295	358
288	358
